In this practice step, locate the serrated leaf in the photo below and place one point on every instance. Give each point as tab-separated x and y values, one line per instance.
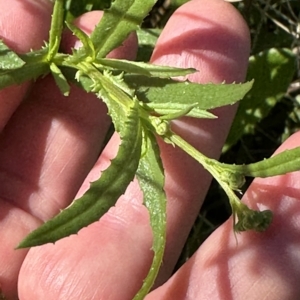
207	96
118	21
102	194
145	69
282	163
60	79
9	60
273	71
151	179
35	66
117	100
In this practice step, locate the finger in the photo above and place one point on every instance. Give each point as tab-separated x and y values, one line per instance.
24	25
220	51
46	149
122	238
261	263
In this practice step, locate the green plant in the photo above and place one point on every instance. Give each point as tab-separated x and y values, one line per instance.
131	91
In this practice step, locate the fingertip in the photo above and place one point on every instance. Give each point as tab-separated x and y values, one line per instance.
210	36
24	25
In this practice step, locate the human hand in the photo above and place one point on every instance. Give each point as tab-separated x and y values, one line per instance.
49	143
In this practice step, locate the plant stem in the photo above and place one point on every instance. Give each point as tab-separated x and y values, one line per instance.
207	163
56	28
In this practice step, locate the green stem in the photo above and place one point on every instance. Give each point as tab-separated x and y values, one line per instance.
56	28
207	163
210	165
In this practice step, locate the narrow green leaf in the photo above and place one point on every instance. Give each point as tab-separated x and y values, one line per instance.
282	163
273	71
56	28
84	38
144	68
173	108
151	179
60	79
207	96
121	65
102	194
118	21
9	60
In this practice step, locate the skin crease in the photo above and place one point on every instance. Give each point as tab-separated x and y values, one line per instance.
45	151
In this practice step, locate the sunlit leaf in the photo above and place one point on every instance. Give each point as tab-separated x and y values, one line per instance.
118	21
173	108
207	96
9	60
282	163
35	66
150	175
85	40
144	68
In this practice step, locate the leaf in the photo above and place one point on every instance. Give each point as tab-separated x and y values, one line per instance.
273	71
282	163
60	79
147	38
35	66
173	108
9	60
102	194
117	100
207	96
85	40
151	179
118	22
144	68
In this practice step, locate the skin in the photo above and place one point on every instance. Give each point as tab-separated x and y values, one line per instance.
49	144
